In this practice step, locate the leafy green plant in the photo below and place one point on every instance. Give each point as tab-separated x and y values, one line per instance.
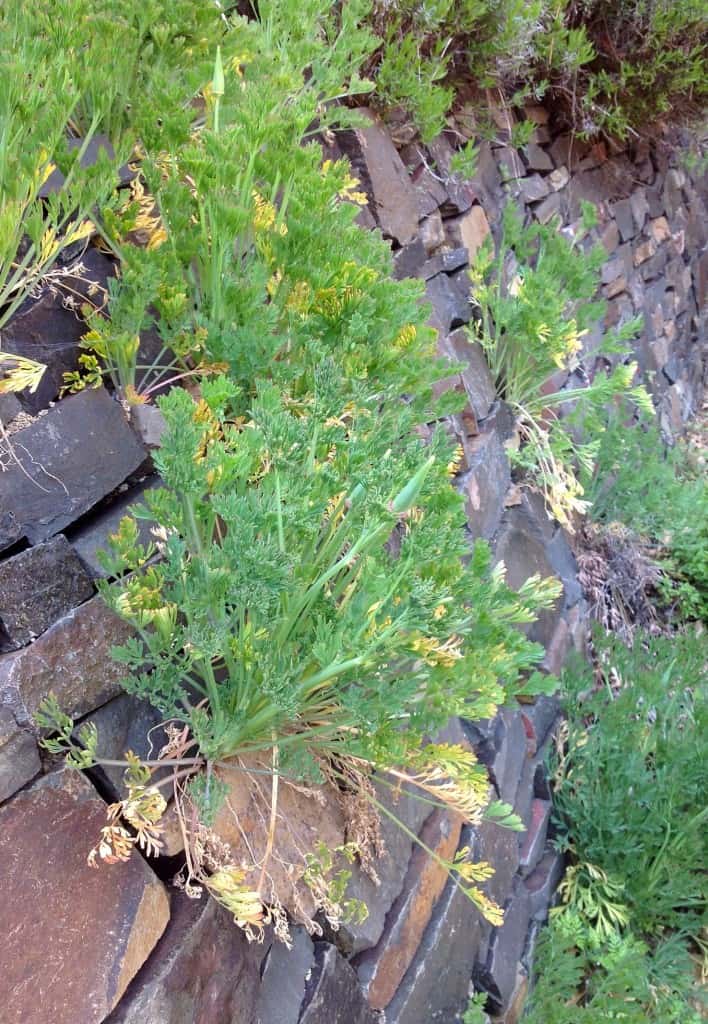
534	298
631	782
660	495
581	979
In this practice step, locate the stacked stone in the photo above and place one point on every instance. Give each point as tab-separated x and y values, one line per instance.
113	946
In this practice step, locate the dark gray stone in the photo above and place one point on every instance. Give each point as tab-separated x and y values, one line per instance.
534	188
485	483
500	848
519	544
550	207
537	158
9	408
640	207
391	868
624	218
535	838
450	304
203	970
71	458
511	756
126	723
384	177
44	330
284	979
543	882
410	260
91	536
477	378
436	985
460	196
72	659
498	976
37	587
333	994
19	756
446	262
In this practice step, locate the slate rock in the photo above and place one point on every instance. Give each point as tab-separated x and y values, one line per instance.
450	301
127	723
485	484
533	188
37	587
203	970
548	209
333	994
432	232
71	458
542	883
477	378
500	848
436	985
474	230
535	838
9	408
383	176
284	979
499	974
391	869
381	969
624	218
445	262
72	659
537	158
44	330
520	545
84	933
507	765
410	260
19	756
304	819
92	533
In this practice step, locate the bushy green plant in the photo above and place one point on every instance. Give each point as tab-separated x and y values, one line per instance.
626	941
630	785
534	312
660	495
614	67
581	979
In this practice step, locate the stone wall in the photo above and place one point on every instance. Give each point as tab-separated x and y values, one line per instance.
121	945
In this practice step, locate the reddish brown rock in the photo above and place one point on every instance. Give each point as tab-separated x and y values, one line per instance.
382	969
72	659
203	970
19	757
383	175
304	820
73	937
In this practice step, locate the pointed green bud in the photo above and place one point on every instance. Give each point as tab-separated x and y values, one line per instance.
217	84
406	498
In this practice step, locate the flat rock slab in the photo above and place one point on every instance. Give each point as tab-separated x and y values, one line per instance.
303	821
73	937
333	995
91	535
203	971
383	175
69	459
284	978
436	986
72	660
19	756
37	587
382	969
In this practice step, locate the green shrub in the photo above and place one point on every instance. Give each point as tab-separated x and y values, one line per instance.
535	297
626	941
630	787
613	67
660	495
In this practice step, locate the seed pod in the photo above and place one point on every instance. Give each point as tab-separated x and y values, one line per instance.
406	498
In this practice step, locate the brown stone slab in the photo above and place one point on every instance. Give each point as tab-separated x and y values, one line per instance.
73	937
